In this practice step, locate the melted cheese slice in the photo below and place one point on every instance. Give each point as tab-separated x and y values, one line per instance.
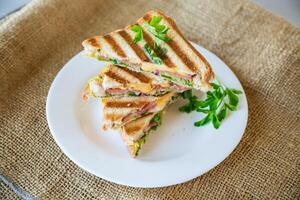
143	87
162	102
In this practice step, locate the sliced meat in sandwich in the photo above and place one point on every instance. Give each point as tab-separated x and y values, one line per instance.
136	132
117	111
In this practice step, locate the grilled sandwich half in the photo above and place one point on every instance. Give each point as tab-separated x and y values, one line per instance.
120	81
136	132
118	111
175	60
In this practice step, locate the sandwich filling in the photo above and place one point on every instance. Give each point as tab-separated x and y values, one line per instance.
121	111
186	80
151	107
153	125
98	88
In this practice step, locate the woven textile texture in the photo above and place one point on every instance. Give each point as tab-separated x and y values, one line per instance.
6	193
263	50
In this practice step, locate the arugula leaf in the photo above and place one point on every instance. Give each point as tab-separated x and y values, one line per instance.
215	121
155	20
215	106
210	94
231	107
203	110
132	94
204	104
187	94
204	121
117	62
158	30
186	108
236	91
191	106
215	86
153	128
176	79
152	55
136	28
139	33
222	114
233	98
218	93
164	37
160	51
163	29
156	118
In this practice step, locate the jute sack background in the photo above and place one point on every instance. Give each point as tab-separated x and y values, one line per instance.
263	50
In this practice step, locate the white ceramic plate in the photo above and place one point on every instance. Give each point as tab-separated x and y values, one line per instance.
175	153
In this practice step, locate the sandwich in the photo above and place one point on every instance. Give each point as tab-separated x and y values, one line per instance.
118	111
153	44
136	132
120	81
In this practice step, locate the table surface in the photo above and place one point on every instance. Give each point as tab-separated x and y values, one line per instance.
289	9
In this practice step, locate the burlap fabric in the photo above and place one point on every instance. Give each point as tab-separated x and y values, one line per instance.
262	49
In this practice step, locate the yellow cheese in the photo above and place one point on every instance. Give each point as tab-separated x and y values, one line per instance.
162	102
143	87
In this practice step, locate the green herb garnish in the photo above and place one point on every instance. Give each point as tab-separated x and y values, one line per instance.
160	34
156	118
215	106
152	55
117	62
132	94
138	144
157	29
178	80
160	51
139	33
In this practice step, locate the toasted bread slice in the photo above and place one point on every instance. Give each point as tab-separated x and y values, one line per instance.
182	63
118	111
135	132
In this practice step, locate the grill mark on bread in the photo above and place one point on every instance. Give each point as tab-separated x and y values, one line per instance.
138	75
167	61
112	117
125	104
183	57
148	39
132	129
116	77
114	45
93	42
136	126
147	17
136	48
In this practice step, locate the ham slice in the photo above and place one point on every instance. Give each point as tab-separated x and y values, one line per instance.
138	113
116	91
150	126
179	88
